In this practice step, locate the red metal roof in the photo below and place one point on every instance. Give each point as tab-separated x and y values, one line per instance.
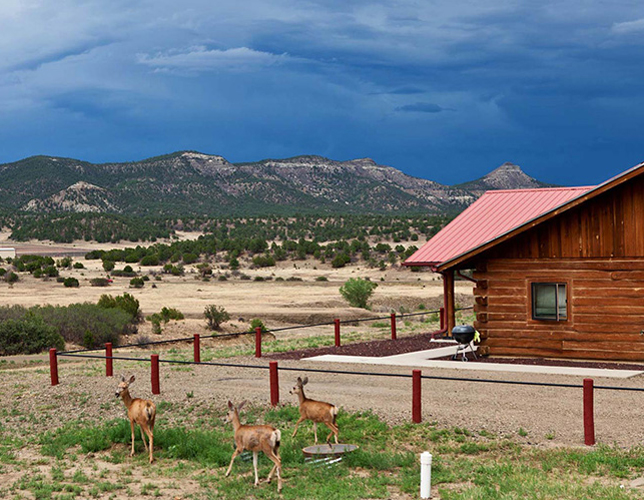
492	215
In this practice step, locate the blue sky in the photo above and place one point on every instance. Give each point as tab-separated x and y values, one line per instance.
442	90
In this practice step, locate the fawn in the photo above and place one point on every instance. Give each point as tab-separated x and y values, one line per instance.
256	438
140	411
316	411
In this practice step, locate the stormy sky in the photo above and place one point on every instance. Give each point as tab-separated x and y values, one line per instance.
441	90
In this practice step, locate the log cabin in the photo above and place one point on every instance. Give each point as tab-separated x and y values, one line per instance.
557	272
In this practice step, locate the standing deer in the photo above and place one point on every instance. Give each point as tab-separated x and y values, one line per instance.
256	438
141	411
316	411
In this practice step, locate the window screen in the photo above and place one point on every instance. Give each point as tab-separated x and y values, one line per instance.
549	301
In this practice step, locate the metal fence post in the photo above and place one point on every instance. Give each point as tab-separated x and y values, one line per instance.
197	348
589	416
416	397
337	332
393	326
274	381
154	359
53	366
109	366
258	342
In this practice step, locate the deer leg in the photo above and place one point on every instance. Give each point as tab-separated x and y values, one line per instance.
148	431
315	431
235	453
255	467
334	431
296	425
276	468
132	428
143	438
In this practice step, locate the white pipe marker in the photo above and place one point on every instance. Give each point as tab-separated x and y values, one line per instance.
425	474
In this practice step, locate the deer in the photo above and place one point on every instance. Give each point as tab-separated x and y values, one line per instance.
255	438
316	411
140	411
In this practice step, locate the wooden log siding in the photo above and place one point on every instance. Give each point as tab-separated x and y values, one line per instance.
605	308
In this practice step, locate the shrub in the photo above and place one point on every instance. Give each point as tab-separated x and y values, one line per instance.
78	265
137	282
99	282
340	260
3	271
108	265
126	302
189	258
71	282
254	323
215	316
50	271
11	277
150	260
168	313
28	336
264	261
357	291
321	278
65	262
73	322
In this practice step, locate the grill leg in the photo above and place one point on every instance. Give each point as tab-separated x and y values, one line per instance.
472	347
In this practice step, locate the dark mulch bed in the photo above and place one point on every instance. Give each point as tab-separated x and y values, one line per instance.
374	348
403	345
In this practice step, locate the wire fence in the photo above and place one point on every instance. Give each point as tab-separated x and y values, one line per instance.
353	372
400	316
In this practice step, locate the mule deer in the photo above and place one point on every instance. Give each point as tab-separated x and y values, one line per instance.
256	438
140	411
316	411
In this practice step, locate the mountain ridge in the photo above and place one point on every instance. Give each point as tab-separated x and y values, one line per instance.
191	182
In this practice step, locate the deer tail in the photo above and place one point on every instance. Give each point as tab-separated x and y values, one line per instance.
334	413
150	410
277	438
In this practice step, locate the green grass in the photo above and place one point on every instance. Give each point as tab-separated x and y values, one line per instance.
466	464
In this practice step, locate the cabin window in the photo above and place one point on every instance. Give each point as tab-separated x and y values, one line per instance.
549	301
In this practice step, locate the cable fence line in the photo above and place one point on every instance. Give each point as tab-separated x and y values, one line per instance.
360	373
394	317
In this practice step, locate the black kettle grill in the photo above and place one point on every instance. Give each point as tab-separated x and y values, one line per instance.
464	335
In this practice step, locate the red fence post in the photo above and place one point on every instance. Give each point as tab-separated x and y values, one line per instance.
589	417
442	317
155	374
415	398
258	342
337	332
197	347
109	367
393	326
275	386
53	366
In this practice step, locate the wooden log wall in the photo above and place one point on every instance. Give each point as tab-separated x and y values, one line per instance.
605	308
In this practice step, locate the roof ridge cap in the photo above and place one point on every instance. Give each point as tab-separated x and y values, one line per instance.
524	190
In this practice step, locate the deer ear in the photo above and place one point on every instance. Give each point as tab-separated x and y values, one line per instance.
122	378
131	379
230	405
241	405
305	381
299	380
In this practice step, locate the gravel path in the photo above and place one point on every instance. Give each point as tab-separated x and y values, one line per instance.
549	415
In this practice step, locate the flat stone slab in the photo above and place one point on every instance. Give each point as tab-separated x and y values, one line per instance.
426	359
